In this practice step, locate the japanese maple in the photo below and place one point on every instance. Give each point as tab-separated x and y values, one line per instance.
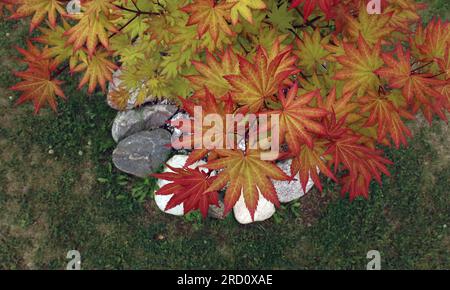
343	81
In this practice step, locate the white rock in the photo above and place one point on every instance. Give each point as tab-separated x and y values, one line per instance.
177	161
290	191
163	200
264	210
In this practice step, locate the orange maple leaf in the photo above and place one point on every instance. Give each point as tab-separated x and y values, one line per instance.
246	174
416	88
210	17
359	66
98	69
387	117
93	26
436	39
297	118
260	80
39	9
38	85
209	105
361	162
212	72
308	161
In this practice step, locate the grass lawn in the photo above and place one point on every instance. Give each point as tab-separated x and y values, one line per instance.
59	192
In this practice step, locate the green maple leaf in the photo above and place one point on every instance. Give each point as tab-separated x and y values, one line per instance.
281	17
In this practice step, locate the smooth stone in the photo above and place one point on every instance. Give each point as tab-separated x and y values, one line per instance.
264	210
145	118
290	191
142	153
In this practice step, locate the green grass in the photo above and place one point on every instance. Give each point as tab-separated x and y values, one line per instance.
53	203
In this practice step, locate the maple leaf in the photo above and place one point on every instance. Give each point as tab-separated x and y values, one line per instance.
209	16
308	162
189	187
415	87
210	105
359	66
404	12
388	118
281	17
436	39
371	27
311	51
324	5
246	174
93	26
38	85
297	118
119	98
39	9
57	42
212	72
243	7
260	80
341	107
444	89
362	163
98	69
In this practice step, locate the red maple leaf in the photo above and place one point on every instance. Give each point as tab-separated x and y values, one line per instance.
190	188
324	5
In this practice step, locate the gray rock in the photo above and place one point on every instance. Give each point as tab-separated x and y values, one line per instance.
290	191
142	153
149	117
217	212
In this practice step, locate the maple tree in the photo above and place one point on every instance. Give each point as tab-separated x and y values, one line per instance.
343	81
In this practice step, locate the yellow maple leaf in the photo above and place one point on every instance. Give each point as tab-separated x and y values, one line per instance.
244	8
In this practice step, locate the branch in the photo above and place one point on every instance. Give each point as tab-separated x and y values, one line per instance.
138	11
